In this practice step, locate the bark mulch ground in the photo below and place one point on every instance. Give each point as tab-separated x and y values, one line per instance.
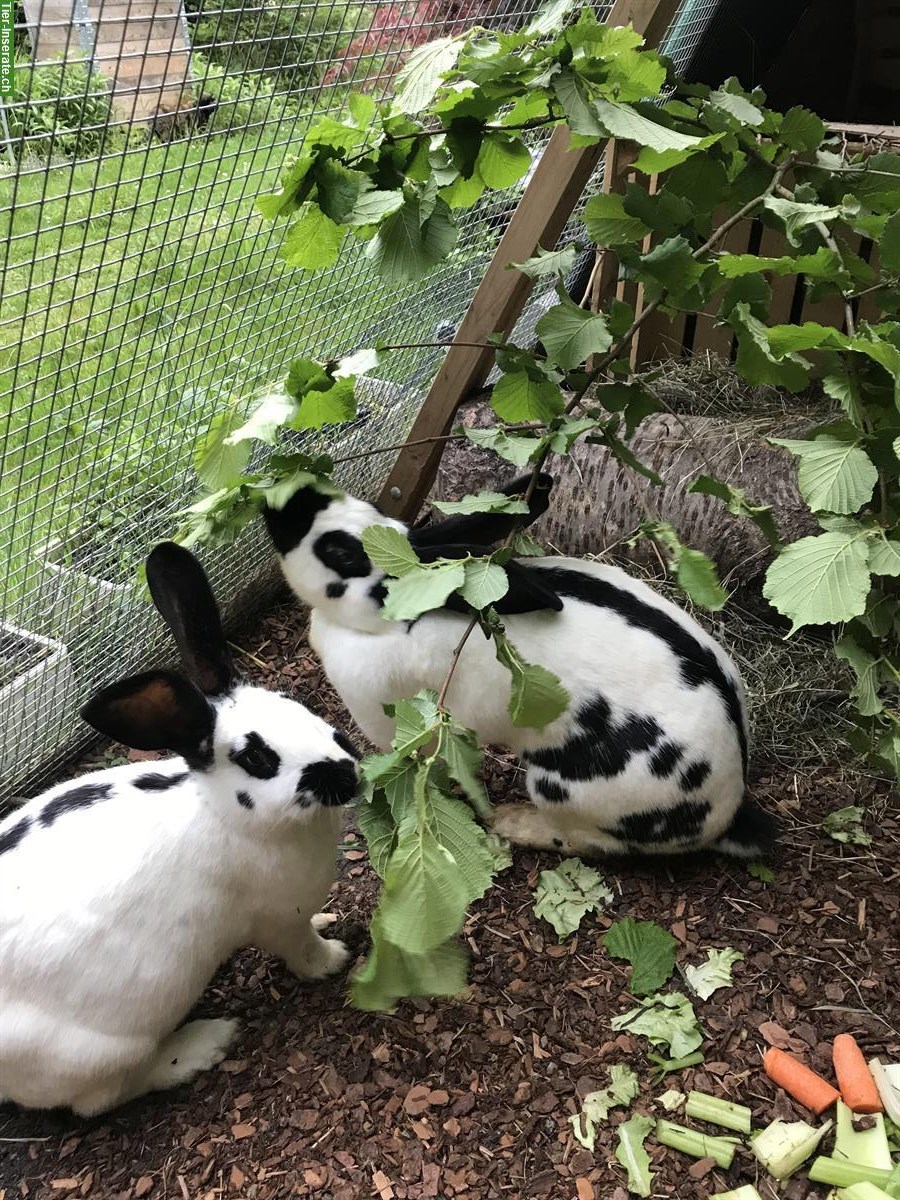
471	1098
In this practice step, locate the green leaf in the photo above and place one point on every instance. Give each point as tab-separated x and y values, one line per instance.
570	334
757	361
697	576
621	121
572	93
835	474
483	502
650	950
537	697
372	207
715	973
218	462
632	400
422	590
518	450
313	241
285	201
737	503
608	224
801	130
824	264
548	262
266	421
519	397
673	265
657	162
565	894
845	825
486	582
425	896
330	407
339	188
378	827
418	80
502	160
550	18
665	1020
406	247
820	580
797	216
865	666
456	829
889	246
390	973
568	433
884	557
631	1154
622	1089
463	759
736	106
761	872
389	549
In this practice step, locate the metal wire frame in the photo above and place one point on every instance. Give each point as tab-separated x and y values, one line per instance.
117	345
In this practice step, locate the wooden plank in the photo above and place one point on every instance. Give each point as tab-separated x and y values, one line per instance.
558	182
709	337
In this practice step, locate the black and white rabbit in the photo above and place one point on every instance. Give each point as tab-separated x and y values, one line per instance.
651	754
121	892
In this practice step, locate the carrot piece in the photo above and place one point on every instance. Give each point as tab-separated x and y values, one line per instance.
799	1081
858	1089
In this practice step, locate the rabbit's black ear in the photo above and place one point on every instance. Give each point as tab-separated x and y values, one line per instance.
184	599
289	525
487	528
157	710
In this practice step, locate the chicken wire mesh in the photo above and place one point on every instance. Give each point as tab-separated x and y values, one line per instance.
140	288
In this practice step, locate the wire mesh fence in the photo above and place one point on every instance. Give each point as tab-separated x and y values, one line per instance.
140	288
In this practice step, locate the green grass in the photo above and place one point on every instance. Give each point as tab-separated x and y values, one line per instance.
139	292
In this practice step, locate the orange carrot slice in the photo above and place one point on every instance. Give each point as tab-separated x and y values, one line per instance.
858	1089
799	1081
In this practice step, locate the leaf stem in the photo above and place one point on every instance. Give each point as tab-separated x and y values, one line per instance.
454	659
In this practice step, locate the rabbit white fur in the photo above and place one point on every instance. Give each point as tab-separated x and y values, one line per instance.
649	757
121	892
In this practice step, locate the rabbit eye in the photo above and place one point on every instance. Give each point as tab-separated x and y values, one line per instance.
257	758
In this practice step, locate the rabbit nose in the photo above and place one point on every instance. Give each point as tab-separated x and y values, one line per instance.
331	783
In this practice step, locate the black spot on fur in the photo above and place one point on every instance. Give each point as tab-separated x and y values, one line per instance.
550	790
664	760
11	837
342	552
201	757
681	823
335	589
699	664
557	842
601	747
345	744
752	833
77	797
694	776
257	758
157	782
332	782
244	800
378	592
288	526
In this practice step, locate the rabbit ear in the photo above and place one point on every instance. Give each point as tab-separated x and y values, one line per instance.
487	528
184	599
157	710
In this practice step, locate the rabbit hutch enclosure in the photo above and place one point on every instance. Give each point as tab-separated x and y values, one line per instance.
675	294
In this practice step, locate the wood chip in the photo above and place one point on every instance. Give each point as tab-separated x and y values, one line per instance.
383	1186
584	1189
143	1186
242	1131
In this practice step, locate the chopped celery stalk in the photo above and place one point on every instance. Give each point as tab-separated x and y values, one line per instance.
887	1080
698	1145
747	1192
862	1191
865	1147
838	1173
718	1112
784	1146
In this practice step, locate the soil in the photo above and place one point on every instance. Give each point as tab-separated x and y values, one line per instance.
471	1098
